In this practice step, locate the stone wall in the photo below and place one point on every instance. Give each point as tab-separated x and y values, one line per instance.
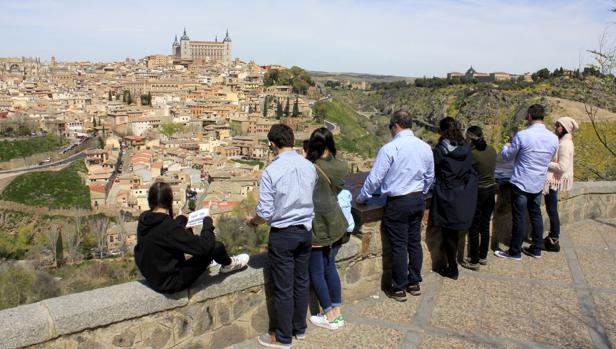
220	310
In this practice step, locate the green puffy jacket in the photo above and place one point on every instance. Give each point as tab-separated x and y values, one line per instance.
329	223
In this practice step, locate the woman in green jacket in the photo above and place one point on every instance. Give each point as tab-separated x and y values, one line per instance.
329	225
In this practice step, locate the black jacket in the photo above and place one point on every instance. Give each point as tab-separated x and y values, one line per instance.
162	243
455	190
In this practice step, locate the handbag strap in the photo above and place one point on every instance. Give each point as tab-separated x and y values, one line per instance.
326	178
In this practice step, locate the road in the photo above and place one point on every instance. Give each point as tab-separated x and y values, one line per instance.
68	160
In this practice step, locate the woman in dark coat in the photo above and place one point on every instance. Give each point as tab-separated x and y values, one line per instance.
455	190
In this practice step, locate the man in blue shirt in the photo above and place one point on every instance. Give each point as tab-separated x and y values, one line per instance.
532	150
285	203
403	171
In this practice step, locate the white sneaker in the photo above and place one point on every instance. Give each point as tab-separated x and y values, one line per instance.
506	255
237	262
321	321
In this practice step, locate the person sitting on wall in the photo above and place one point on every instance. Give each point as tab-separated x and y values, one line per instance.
162	242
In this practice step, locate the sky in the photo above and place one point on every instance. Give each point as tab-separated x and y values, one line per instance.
389	37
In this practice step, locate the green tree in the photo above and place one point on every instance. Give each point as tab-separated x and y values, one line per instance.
541	74
192	205
279	111
265	106
109	96
286	108
129	98
168	129
149	98
295	108
298	78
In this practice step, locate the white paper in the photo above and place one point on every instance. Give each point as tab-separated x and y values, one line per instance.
196	218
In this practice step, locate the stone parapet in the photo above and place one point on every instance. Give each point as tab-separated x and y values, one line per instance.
219	310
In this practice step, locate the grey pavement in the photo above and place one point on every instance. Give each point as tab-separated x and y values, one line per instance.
563	300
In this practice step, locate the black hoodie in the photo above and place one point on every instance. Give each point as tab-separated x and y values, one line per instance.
162	243
455	189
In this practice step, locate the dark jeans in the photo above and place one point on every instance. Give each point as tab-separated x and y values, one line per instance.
520	203
324	277
402	222
191	269
551	206
289	251
481	225
450	245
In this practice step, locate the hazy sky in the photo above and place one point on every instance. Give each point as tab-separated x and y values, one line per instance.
397	37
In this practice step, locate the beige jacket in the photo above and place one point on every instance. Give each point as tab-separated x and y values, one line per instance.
560	170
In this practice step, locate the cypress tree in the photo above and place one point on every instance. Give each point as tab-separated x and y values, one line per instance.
265	105
295	108
286	108
278	110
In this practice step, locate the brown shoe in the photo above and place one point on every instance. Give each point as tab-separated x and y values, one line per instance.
413	290
469	265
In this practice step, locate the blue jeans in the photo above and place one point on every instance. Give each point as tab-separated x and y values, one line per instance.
520	203
551	206
402	217
289	251
324	276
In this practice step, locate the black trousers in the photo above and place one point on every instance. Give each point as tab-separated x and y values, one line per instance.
191	269
289	254
481	225
450	245
402	217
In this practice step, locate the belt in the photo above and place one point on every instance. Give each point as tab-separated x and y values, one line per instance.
274	229
409	195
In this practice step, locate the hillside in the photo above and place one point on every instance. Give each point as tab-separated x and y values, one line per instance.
499	108
53	189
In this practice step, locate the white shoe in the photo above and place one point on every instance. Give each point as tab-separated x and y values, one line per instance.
237	262
321	321
506	255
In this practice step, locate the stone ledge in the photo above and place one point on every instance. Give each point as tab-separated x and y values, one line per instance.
37	323
213	286
24	325
104	306
586	188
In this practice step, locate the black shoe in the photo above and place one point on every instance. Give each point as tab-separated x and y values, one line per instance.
449	272
527	251
399	296
551	245
414	290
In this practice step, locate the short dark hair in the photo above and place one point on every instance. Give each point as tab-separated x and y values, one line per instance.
321	139
402	118
536	112
281	135
160	195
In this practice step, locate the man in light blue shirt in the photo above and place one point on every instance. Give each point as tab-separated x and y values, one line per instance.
403	171
532	150
285	203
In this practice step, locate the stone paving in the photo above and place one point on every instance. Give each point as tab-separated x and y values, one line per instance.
563	300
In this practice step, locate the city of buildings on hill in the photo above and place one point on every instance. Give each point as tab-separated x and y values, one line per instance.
196	119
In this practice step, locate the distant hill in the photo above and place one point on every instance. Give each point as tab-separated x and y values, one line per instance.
323	76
